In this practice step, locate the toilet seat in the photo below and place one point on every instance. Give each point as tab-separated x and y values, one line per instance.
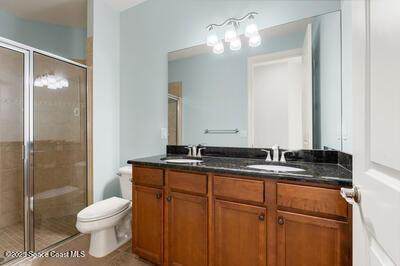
103	209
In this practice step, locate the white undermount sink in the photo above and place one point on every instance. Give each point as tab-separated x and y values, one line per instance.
182	161
275	168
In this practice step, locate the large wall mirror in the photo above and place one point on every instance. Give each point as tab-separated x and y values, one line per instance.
287	91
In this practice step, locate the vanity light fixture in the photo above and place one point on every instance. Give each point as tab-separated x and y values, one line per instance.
231	35
230	31
52	82
255	40
212	38
251	27
235	44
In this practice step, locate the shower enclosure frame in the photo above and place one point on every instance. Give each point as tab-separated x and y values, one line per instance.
28	153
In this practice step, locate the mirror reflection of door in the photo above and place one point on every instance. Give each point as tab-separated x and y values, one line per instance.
174	113
280	84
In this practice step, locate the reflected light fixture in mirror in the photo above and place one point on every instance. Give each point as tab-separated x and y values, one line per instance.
231	36
52	82
218	48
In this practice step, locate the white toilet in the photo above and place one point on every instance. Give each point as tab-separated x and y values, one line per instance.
108	221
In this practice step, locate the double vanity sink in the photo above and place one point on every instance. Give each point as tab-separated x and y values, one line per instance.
265	167
190	211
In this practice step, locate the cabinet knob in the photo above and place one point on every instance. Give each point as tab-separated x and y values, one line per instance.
281	221
169	198
158	196
261	217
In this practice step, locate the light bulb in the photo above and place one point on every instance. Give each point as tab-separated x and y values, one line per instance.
38	82
255	40
212	37
218	48
51	79
230	32
251	28
52	86
65	83
236	44
59	84
45	82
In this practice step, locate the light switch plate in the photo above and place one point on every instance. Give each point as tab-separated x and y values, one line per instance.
164	133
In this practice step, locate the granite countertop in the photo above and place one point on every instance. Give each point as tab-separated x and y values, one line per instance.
321	173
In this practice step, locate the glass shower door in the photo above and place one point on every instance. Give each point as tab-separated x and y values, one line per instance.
59	145
11	151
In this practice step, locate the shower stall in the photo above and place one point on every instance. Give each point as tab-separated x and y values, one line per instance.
43	147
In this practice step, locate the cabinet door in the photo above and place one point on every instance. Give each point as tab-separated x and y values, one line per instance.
240	234
148	223
304	240
187	230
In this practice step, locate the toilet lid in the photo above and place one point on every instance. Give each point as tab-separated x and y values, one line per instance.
103	209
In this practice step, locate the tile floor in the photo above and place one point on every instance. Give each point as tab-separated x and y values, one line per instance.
121	256
47	232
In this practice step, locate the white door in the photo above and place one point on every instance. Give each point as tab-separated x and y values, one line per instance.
270	97
275	87
376	123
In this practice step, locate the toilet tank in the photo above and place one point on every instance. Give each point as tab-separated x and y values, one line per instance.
125	175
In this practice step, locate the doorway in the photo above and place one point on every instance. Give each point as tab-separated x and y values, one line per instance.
277	86
175	113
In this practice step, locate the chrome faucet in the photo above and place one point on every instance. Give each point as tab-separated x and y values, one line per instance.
190	149
283	158
275	153
195	150
268	158
199	149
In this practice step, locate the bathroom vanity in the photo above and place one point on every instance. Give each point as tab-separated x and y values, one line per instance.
221	212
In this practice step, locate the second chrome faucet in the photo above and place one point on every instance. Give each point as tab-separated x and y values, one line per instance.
195	150
275	154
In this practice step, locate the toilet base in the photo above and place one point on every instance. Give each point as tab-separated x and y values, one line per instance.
105	241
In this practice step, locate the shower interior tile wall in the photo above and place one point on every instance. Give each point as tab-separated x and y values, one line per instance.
11	139
11	174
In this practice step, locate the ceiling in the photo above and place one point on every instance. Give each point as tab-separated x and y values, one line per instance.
60	12
121	5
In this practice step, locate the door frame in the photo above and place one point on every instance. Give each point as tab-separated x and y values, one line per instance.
28	153
178	99
252	63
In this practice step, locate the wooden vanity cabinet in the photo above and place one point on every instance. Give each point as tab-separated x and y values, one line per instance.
196	219
186	230
148	223
304	240
186	219
313	226
240	234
